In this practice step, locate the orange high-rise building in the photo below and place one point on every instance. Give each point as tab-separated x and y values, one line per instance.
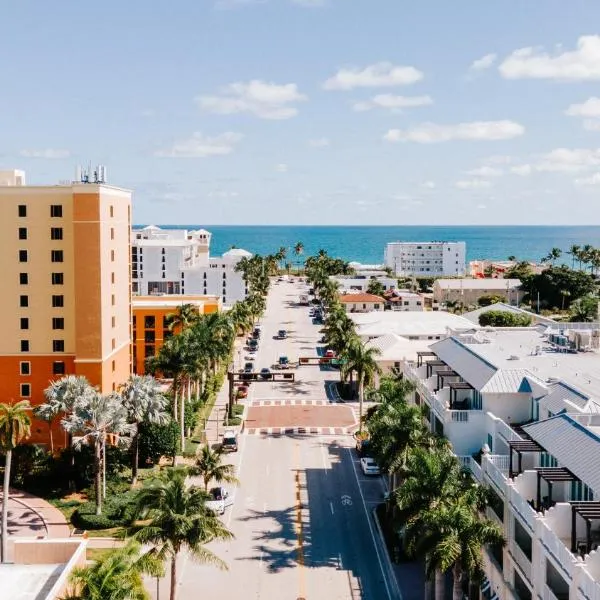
65	253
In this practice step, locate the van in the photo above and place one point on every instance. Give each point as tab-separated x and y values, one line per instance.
230	441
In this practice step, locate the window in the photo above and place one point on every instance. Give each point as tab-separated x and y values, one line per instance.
22	210
25	390
57	279
24	345
114	366
149	322
25	368
23	301
113	343
23	278
24	323
112	299
113	322
22	255
111	210
148	350
22	233
112	277
56	210
56	256
58	367
58	345
56	233
112	232
58	301
112	255
149	337
58	323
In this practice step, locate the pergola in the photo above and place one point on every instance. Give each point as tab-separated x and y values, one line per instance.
434	363
441	375
551	475
423	354
588	511
520	446
454	387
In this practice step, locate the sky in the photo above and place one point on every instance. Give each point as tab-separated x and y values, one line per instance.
373	112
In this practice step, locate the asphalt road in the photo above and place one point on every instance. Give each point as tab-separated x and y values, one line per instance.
302	516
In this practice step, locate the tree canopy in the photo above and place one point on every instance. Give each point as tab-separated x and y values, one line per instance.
501	318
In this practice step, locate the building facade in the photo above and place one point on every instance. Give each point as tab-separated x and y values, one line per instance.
426	259
468	291
178	261
361	303
66	255
524	417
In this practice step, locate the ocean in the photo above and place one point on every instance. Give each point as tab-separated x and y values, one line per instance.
366	244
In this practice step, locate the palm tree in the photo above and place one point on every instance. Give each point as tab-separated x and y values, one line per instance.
564	294
574	251
15	426
362	360
93	417
144	403
586	254
178	519
584	309
117	575
554	255
209	467
298	251
595	260
183	317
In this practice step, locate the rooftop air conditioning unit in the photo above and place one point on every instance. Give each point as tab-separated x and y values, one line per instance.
513	357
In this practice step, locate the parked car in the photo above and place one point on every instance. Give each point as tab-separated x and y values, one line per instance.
265	373
282	334
284	362
369	466
248	367
329	354
230	441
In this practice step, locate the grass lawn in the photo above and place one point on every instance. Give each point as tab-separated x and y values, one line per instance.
97	553
105	533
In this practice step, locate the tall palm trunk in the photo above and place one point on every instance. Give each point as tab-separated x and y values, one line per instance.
439	585
136	455
5	492
182	419
361	393
51	437
457	592
98	476
173	594
428	589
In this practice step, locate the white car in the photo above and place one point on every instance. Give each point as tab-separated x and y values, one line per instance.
369	466
220	500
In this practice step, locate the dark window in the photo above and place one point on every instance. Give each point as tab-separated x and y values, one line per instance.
56	233
149	322
56	255
58	345
57	279
58	301
24	301
24	345
58	367
148	350
149	336
56	210
22	233
22	255
58	323
23	278
24	323
25	368
22	210
25	390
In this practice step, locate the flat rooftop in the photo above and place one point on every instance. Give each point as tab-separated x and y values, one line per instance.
410	323
527	348
28	582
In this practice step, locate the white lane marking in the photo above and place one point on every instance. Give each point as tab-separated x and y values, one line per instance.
239	470
368	517
331	507
323	456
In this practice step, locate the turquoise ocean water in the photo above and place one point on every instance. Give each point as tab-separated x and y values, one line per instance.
366	244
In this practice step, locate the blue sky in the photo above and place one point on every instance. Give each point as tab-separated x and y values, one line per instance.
312	111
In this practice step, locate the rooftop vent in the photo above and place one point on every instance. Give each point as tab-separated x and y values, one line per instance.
513	357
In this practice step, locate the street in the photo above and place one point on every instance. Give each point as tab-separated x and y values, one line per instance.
302	516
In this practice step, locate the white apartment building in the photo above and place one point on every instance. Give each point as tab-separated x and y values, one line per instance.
361	282
521	408
178	261
426	259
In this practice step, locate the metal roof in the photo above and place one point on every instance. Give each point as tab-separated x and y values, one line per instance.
561	396
573	445
472	368
510	381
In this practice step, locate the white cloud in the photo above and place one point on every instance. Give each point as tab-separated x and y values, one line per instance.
263	99
581	64
591	125
428	185
481	206
569	160
498	159
319	142
201	146
485	62
49	153
486	171
382	74
281	168
589	108
431	133
310	3
473	184
593	180
393	103
522	170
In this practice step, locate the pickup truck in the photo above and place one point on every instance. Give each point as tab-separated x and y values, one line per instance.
219	500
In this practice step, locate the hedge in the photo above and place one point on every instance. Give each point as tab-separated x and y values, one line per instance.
234	422
117	512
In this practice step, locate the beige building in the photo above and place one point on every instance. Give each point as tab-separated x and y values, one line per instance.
67	306
362	302
468	291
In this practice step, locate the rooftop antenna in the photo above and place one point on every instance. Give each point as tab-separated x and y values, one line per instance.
86	175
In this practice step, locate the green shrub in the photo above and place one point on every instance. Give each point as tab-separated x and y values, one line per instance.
488	299
117	511
501	318
233	422
238	410
157	441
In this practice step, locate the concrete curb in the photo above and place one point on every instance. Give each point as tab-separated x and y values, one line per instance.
391	575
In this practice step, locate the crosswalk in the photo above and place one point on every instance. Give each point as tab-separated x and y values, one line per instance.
296	402
300	430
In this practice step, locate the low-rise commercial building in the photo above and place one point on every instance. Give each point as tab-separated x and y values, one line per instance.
361	303
468	291
403	300
521	410
426	259
360	283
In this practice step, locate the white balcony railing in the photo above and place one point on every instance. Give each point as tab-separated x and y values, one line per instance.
522	507
548	594
495	474
520	558
468	462
556	547
500	461
507	432
588	586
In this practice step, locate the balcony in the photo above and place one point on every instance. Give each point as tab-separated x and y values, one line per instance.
520	559
557	548
522	507
469	463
